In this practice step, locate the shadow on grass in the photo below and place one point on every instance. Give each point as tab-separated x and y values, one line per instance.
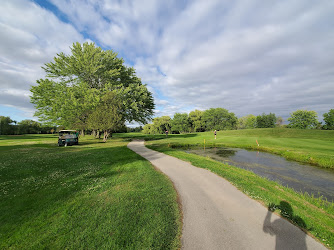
28	136
104	174
56	180
26	143
286	237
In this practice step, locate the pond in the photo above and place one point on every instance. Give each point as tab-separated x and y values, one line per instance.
300	177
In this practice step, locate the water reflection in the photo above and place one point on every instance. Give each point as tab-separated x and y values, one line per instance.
301	177
225	152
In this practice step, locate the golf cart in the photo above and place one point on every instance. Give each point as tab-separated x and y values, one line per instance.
68	137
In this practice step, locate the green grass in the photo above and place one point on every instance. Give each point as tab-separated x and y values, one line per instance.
94	195
102	195
314	147
314	216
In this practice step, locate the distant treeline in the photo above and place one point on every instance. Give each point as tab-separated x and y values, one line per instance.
195	121
222	119
11	127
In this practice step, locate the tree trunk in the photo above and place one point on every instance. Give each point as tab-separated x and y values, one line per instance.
82	132
94	133
105	135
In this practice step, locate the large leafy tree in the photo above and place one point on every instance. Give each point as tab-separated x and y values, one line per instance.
303	119
247	122
180	123
196	120
266	121
219	118
76	83
161	124
29	127
6	126
148	129
329	119
108	115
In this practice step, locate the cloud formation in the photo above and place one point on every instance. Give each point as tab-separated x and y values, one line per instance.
249	57
30	36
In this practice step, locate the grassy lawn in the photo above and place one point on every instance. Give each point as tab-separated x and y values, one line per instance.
315	216
309	146
94	195
102	195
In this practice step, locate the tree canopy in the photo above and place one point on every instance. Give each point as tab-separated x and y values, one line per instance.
247	122
108	115
303	119
196	119
75	86
219	119
11	127
6	125
329	119
266	121
180	123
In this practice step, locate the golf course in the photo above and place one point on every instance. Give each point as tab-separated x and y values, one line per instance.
93	195
103	195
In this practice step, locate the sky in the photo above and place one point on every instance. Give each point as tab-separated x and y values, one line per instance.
247	56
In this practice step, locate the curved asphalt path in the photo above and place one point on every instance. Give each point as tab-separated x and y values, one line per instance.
216	215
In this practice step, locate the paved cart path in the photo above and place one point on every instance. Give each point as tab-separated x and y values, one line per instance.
216	215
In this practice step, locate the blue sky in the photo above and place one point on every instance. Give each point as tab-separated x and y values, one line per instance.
248	56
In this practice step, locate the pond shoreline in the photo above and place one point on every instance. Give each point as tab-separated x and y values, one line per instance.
289	155
317	213
301	177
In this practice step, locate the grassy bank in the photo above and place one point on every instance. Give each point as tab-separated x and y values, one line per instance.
314	216
94	195
314	147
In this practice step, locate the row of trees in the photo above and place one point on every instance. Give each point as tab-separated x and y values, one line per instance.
91	89
11	127
301	119
261	121
329	120
196	121
221	119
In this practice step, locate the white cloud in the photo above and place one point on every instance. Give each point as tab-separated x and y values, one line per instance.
234	68
247	56
31	36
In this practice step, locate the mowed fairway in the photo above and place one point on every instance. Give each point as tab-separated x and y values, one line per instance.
308	146
94	195
314	146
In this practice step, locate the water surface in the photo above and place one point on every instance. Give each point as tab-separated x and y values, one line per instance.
300	177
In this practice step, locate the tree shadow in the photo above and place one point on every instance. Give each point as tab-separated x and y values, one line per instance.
287	236
56	180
